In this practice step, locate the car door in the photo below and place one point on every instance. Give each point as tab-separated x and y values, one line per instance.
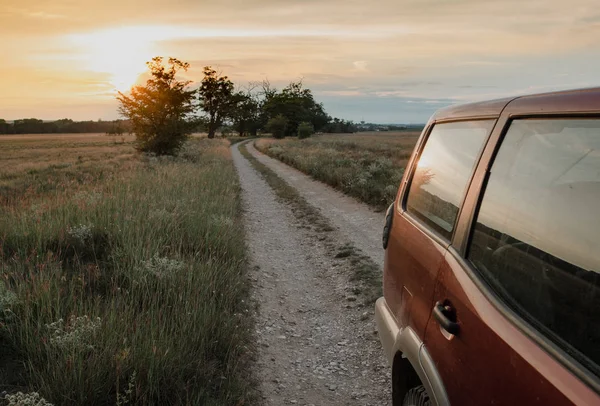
515	313
424	223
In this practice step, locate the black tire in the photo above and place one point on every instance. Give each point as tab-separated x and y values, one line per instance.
416	397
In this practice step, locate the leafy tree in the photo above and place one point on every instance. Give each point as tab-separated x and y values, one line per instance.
298	105
245	113
160	113
277	126
216	99
305	130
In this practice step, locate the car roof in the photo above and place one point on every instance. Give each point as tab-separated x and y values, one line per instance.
569	101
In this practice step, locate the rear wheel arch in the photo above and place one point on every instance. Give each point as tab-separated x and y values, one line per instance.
404	378
413	366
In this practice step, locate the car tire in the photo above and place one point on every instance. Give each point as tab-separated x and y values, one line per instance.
416	397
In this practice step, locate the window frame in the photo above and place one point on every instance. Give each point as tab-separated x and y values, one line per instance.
462	240
419	148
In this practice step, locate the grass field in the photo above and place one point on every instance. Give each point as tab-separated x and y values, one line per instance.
122	278
368	166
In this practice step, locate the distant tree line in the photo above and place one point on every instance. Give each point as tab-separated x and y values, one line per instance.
37	126
363	126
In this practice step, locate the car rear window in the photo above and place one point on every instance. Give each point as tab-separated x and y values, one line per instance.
537	235
443	171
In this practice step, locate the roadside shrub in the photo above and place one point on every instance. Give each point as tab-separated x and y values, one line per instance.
277	126
305	130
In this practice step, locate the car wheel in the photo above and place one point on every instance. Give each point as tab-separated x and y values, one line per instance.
416	397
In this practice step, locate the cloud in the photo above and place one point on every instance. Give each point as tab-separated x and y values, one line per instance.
348	51
44	15
360	66
343	93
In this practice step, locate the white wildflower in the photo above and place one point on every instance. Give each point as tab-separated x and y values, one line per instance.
77	333
81	233
127	398
7	298
161	267
27	399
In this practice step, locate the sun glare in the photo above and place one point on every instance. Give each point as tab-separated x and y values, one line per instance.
121	53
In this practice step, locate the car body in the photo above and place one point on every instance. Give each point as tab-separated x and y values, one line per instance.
491	268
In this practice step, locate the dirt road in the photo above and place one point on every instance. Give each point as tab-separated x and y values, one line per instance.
317	340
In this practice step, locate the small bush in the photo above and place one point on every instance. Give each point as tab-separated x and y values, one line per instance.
277	126
305	130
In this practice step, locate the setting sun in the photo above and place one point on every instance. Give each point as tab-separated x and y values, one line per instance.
122	52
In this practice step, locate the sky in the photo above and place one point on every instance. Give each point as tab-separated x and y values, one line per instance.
382	61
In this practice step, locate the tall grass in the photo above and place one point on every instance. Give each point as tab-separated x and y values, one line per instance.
132	292
367	167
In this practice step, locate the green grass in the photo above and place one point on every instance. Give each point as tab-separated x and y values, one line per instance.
366	166
147	272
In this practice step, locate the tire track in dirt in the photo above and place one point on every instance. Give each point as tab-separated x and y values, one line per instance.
316	342
355	220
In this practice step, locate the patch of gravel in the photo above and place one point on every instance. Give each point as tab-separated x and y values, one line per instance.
355	220
317	345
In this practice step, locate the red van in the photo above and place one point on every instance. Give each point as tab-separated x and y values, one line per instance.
492	262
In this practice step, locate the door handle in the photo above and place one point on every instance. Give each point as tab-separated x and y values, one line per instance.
442	315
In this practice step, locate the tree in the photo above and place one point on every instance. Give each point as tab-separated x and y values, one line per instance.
116	129
160	113
277	126
305	130
216	100
5	128
340	126
297	104
245	113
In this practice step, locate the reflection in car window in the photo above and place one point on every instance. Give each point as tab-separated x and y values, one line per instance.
537	236
443	170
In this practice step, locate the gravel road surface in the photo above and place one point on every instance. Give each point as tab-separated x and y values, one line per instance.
317	343
356	221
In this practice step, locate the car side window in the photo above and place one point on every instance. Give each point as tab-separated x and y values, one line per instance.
443	171
536	239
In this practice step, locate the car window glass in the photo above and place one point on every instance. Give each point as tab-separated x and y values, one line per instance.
537	234
443	171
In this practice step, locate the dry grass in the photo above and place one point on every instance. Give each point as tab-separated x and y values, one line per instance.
34	165
122	278
368	166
